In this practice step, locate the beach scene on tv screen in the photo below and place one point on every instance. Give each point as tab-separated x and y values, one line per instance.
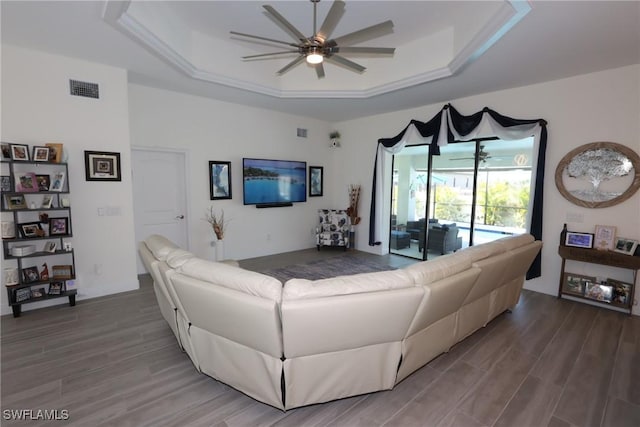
274	181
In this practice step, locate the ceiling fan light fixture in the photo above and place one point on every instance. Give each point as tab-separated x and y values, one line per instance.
315	58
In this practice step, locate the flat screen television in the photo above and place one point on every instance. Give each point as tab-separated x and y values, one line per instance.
273	182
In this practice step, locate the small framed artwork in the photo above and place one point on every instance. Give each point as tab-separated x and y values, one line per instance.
41	154
58	226
55	151
50	247
102	166
598	292
67	246
219	180
22	294
26	182
315	180
57	184
55	288
19	152
604	236
44	182
37	293
625	246
575	283
30	274
5	183
31	229
62	272
47	201
16	201
579	240
5	147
621	292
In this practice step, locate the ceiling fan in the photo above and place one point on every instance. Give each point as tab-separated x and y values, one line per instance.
482	156
320	47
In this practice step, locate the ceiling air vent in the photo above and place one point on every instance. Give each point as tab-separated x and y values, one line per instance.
88	90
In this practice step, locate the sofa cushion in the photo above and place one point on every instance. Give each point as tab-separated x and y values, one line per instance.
297	289
512	242
160	246
425	272
177	257
235	278
482	251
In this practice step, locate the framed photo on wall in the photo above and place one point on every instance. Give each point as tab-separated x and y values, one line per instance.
316	175
102	166
219	180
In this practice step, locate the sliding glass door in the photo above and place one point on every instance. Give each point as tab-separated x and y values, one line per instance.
473	192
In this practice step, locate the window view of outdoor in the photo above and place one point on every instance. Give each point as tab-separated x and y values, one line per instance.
468	202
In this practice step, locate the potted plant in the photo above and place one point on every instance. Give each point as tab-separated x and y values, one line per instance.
218	225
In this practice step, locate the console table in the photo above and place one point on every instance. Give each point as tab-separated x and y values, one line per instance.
594	256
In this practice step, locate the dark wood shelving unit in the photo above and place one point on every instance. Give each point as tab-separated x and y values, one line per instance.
594	256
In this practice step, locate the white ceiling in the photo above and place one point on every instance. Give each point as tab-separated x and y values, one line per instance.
185	46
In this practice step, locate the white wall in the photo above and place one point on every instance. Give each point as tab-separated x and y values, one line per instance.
603	106
212	130
37	108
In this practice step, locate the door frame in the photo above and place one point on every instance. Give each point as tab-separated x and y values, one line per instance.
187	181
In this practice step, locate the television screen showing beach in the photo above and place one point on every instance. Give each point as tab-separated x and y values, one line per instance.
274	181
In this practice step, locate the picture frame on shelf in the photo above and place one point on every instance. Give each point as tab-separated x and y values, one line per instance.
44	182
621	292
26	182
55	151
62	272
50	247
15	201
316	177
219	180
30	274
604	236
40	154
579	240
5	183
598	291
47	201
37	293
57	183
19	152
56	288
58	226
5	149
575	283
30	230
10	276
67	246
22	294
102	166
625	246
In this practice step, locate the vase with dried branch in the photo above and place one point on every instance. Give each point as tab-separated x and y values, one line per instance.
354	199
217	222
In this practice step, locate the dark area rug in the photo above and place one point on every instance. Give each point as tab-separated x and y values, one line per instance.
325	268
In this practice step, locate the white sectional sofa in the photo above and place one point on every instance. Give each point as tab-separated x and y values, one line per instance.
314	341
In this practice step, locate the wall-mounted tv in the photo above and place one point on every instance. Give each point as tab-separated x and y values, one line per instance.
273	182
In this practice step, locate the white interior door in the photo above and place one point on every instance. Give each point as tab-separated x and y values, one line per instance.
160	199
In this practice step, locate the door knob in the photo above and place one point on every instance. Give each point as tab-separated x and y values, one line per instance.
180	217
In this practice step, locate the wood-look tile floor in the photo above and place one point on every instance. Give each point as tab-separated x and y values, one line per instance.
112	361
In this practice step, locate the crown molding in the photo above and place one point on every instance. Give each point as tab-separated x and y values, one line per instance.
115	13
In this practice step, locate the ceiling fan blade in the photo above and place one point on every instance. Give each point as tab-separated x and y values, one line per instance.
344	61
270	54
282	20
332	19
365	34
290	65
319	70
364	50
235	33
